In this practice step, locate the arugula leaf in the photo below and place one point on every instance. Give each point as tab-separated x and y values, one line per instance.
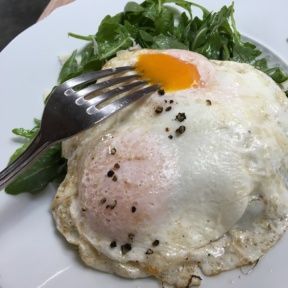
155	24
166	42
164	22
48	167
109	28
69	69
151	24
121	42
277	74
25	133
133	7
187	6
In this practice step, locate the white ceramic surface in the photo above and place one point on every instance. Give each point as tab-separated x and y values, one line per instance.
32	254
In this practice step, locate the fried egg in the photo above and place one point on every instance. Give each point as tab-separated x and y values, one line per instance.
188	181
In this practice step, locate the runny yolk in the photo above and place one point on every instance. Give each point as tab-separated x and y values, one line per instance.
168	71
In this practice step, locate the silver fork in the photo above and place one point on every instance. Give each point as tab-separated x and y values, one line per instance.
69	111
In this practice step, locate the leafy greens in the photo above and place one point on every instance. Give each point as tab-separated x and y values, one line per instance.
48	167
151	24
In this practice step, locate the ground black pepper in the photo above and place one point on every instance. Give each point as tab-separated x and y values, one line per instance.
158	109
171	101
116	166
110	173
126	248
131	236
149	252
161	92
103	200
113	244
181	129
167	129
155	243
133	209
170	137
113	151
181	117
168	108
112	206
208	102
114	178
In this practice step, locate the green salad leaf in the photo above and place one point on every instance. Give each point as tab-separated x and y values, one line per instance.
152	24
70	68
158	25
50	166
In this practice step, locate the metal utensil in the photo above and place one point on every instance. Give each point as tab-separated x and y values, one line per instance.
72	108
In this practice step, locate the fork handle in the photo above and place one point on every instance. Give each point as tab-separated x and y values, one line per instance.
17	166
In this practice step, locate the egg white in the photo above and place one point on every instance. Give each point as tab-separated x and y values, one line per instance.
215	196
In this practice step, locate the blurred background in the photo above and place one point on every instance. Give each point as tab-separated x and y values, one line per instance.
16	16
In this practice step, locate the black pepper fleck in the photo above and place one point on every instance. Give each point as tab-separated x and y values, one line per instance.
167	129
133	209
149	252
83	209
110	173
114	178
116	166
131	236
208	102
155	243
158	109
168	108
165	101
126	248
171	101
161	92
181	129
113	244
103	200
112	206
181	117
170	137
113	151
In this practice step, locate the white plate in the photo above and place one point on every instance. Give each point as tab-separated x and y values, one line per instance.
32	254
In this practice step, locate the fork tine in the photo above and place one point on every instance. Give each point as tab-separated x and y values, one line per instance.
99	86
114	92
119	104
95	75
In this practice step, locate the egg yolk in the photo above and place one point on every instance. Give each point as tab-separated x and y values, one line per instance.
168	71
